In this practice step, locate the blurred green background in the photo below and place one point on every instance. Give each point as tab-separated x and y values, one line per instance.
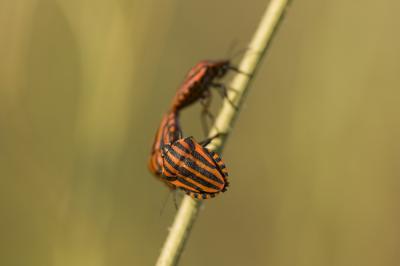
313	159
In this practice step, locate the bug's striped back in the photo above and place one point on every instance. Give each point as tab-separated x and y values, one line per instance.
198	82
193	168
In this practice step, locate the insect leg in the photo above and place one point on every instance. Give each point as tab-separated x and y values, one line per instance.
205	101
208	140
224	93
240	71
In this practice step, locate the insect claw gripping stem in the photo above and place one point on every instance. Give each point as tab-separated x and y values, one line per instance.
240	71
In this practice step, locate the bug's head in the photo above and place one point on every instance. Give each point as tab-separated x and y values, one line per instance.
221	67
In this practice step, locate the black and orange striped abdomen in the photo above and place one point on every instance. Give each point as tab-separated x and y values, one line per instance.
194	169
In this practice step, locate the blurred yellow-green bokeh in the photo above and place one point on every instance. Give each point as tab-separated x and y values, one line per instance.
313	158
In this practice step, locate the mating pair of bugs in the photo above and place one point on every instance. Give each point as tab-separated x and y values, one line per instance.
182	162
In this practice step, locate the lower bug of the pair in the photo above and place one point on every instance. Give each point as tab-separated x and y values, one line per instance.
191	167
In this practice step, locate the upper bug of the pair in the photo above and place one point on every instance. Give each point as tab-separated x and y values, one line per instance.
198	81
193	168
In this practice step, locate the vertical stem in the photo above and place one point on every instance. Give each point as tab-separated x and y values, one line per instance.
189	208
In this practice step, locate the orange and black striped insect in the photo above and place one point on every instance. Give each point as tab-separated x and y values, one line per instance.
199	80
197	84
190	166
207	164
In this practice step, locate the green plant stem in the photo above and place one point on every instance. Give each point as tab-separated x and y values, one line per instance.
189	208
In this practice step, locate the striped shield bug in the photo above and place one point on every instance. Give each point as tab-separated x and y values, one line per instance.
200	173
